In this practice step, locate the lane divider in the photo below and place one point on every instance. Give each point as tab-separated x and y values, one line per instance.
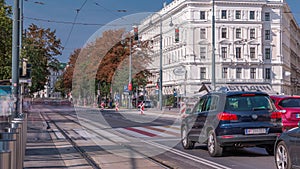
188	156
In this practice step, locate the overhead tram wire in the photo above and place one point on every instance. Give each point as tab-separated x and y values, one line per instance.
75	23
75	19
112	11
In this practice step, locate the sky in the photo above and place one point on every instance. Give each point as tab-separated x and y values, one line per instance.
91	16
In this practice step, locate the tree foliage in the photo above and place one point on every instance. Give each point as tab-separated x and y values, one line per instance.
40	48
68	74
104	63
5	40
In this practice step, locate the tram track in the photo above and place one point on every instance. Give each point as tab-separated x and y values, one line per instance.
82	152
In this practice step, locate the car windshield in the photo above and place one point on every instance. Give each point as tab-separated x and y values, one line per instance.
290	102
248	103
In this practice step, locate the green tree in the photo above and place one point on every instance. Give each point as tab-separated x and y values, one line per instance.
59	87
5	40
40	48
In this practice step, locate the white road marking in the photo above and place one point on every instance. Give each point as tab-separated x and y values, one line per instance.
188	156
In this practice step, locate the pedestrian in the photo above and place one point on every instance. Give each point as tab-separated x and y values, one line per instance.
117	106
102	106
142	108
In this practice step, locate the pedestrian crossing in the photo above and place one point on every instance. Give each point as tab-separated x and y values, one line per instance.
136	132
151	131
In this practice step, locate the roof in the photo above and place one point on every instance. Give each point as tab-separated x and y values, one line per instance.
263	87
245	92
284	96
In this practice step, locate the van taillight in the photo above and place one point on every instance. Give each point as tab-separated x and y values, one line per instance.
276	115
227	116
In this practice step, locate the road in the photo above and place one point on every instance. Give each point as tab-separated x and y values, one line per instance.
126	139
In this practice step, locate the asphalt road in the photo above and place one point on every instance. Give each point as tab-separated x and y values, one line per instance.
152	138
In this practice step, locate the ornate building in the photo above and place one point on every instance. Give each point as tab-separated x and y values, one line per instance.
256	42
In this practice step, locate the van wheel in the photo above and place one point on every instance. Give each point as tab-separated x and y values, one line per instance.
214	149
185	141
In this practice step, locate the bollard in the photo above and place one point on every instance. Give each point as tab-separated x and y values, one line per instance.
23	122
4	159
10	135
17	124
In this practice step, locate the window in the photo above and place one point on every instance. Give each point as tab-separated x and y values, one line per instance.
238	33
238	14
267	53
268	73
252	52
252	33
267	16
224	52
224	72
214	102
202	52
224	14
224	33
267	35
200	105
238	52
211	103
252	73
202	15
202	73
252	15
202	33
238	72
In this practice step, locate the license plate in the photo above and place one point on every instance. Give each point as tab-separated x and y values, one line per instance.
256	131
298	116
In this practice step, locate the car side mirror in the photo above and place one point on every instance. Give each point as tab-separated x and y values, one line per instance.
188	111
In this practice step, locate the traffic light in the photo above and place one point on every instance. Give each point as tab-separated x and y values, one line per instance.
176	35
129	86
25	69
136	33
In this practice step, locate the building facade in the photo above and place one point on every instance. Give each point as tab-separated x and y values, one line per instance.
256	41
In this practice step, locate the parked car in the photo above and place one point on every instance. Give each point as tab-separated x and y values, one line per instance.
290	108
148	104
287	148
232	119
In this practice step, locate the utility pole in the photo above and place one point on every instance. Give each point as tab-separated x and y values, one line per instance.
160	65
15	57
213	63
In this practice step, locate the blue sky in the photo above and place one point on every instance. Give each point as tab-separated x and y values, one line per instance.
92	14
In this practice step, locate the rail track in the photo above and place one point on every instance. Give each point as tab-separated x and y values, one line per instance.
53	121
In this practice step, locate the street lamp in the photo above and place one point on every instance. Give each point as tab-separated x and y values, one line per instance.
130	63
160	59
